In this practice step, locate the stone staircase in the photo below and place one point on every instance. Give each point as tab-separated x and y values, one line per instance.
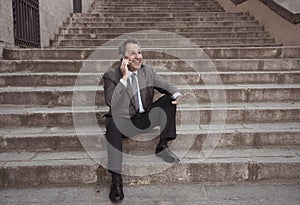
242	105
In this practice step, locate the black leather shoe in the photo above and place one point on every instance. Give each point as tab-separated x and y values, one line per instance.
167	155
116	190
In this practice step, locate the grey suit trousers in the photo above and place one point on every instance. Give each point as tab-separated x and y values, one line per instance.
161	113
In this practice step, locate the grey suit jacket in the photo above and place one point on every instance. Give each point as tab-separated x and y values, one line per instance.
120	98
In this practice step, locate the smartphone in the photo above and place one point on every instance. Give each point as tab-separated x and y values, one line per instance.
122	57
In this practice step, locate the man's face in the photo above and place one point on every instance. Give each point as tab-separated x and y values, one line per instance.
134	55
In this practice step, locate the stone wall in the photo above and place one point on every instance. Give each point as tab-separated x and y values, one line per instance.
291	5
289	10
52	14
86	5
6	22
284	31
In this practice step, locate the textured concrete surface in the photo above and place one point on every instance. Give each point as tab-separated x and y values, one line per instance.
278	26
231	136
52	14
154	53
6	22
261	88
291	5
25	169
193	194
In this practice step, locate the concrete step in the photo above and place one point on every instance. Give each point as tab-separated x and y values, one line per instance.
99	66
98	36
201	42
159	10
141	25
150	1
255	193
19	79
109	5
155	53
63	95
153	4
126	30
155	19
232	113
161	15
237	136
158	7
40	146
77	168
22	169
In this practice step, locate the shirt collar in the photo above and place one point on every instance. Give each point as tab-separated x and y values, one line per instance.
130	73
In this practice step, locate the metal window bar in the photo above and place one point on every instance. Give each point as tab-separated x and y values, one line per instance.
26	23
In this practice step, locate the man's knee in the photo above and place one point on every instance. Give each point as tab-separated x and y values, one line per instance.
166	98
164	101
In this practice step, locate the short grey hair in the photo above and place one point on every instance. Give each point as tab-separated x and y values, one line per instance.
122	47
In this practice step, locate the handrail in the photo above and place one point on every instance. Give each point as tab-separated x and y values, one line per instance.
279	9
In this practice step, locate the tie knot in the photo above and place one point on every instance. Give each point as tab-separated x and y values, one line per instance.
133	74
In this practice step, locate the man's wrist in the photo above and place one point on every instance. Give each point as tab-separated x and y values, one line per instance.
176	95
124	82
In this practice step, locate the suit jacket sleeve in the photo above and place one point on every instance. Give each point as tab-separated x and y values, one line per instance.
114	90
163	85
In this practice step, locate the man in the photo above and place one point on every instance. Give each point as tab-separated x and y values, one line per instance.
129	91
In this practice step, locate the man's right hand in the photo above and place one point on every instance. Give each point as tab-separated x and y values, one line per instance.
124	68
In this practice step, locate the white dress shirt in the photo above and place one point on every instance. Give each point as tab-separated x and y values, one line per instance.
141	108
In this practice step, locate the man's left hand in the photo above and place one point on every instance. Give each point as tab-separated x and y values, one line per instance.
178	100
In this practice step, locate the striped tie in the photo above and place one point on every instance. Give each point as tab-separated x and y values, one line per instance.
135	90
